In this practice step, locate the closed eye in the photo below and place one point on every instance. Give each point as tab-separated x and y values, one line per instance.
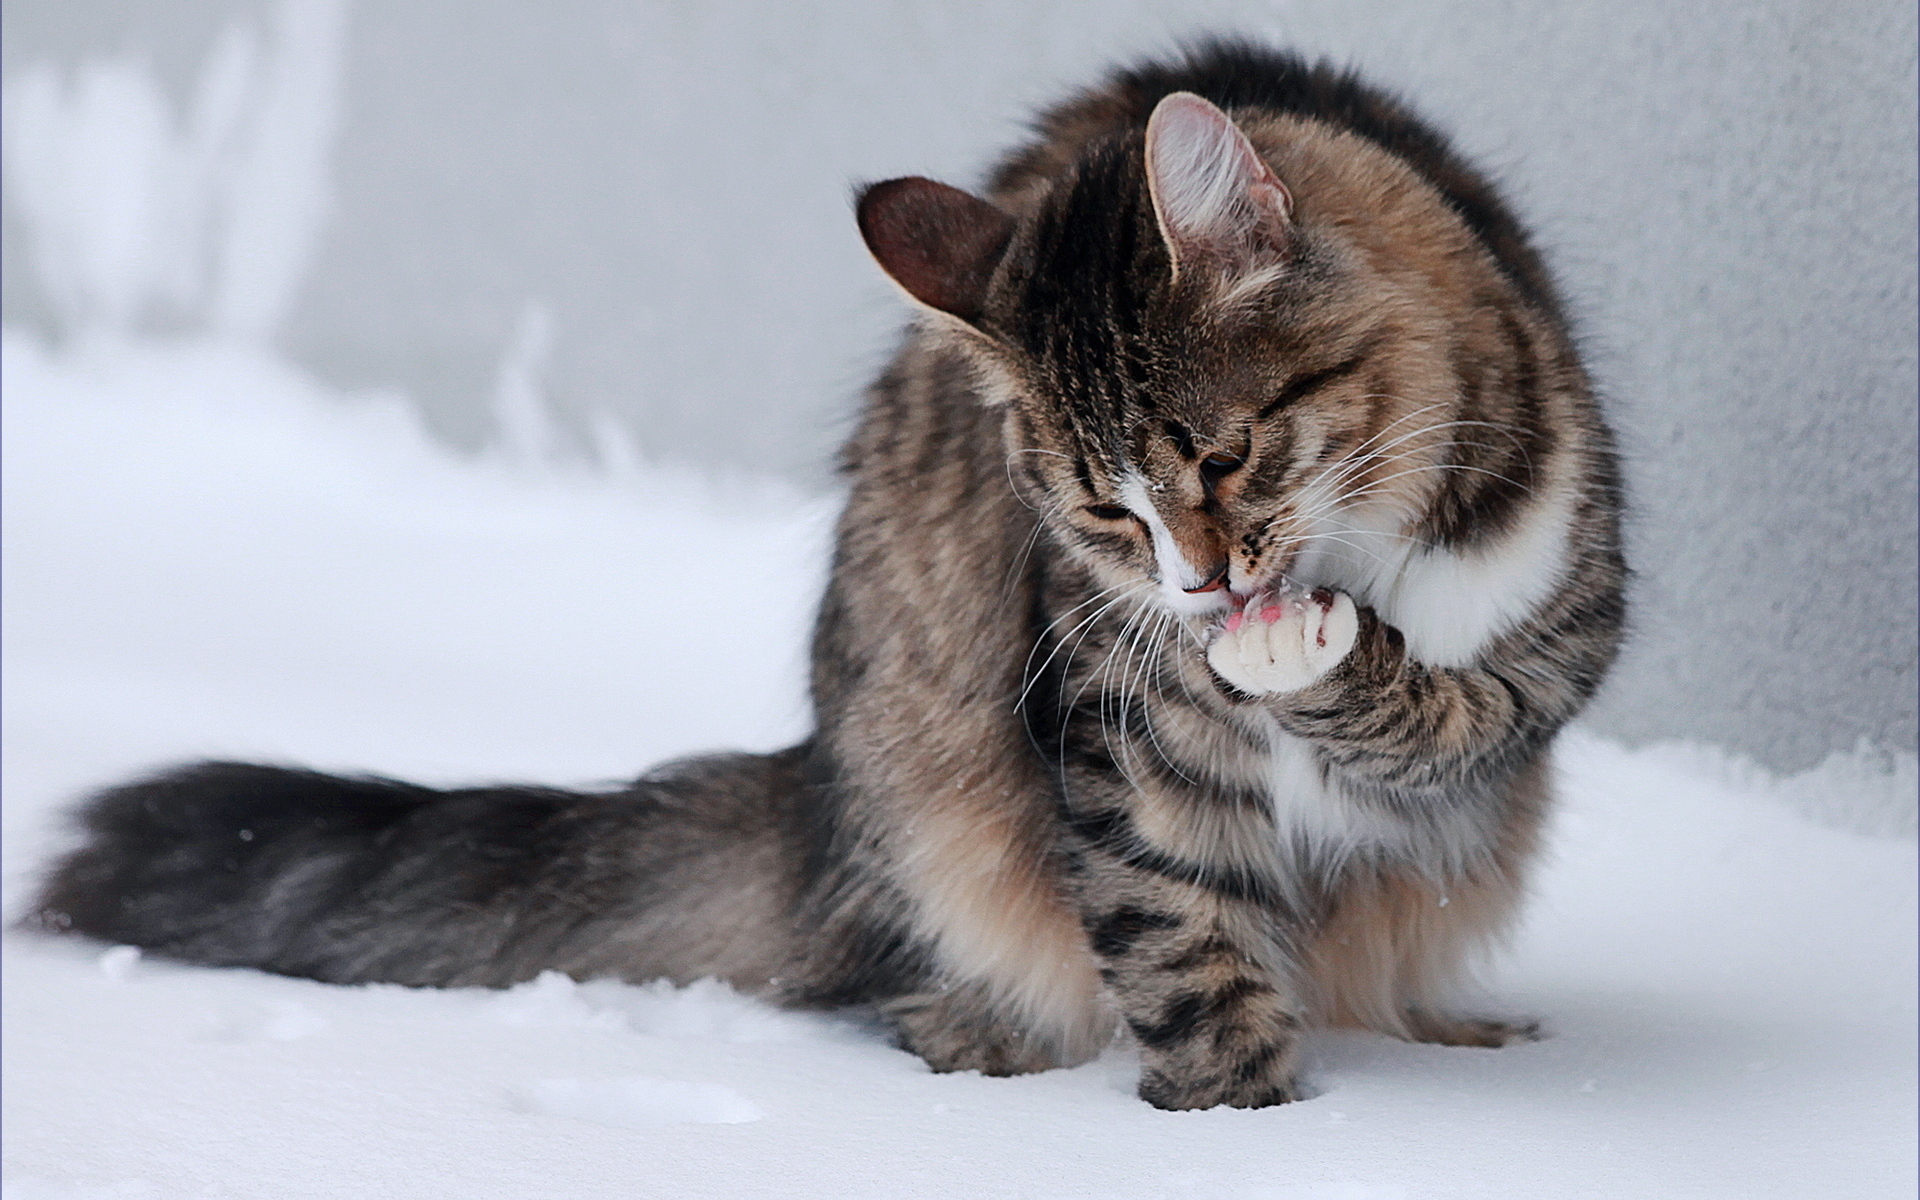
1110	512
1217	466
1302	386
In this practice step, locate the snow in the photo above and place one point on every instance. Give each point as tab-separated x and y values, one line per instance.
638	1102
208	553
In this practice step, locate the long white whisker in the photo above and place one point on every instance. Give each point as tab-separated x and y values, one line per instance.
1366	452
1086	628
1378	484
1020	561
1156	651
1356	461
1304	538
1099	676
1033	676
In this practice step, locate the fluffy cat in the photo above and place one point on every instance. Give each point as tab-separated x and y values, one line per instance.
1226	544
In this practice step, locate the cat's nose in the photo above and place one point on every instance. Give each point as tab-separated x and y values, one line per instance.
1216	580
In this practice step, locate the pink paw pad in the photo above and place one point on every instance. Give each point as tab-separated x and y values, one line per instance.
1234	621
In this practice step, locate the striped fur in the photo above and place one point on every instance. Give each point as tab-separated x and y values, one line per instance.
1225	545
1324	378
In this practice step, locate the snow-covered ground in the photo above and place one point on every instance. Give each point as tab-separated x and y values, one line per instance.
208	554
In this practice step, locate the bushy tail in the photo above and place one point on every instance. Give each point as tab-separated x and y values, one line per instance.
689	872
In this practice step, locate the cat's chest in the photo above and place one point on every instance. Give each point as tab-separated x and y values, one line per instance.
1315	823
1308	808
1309	816
1448	604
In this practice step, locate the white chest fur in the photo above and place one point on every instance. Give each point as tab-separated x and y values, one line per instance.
1448	604
1309	813
1319	827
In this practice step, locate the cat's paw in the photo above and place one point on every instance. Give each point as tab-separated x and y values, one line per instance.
1256	1088
1441	1029
953	1031
1284	641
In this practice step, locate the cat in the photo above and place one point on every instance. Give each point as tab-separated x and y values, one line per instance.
1225	545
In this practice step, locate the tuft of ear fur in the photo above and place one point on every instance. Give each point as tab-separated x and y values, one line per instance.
1216	199
939	243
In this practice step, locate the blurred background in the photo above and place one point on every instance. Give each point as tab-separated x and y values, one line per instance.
589	232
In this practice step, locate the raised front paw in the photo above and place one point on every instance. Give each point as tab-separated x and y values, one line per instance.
1281	642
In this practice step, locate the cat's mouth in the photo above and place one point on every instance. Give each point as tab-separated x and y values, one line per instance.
1276	581
1222	598
1275	588
1266	589
1229	592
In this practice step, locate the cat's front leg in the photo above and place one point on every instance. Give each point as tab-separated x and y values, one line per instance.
1283	642
1181	953
1214	1027
1339	676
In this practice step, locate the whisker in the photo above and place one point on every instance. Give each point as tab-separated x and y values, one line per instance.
1151	678
1028	672
1355	461
1099	675
1014	486
1086	628
1378	484
1339	540
1020	561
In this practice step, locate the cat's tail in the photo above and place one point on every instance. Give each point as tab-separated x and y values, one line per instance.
691	871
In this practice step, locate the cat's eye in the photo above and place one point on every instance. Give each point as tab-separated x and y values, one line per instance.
1110	512
1219	465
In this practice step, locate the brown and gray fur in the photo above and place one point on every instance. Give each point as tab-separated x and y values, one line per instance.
1237	350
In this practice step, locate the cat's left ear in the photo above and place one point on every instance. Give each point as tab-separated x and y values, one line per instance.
1217	200
939	243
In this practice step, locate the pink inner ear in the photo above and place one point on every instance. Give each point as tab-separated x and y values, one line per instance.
1215	196
939	243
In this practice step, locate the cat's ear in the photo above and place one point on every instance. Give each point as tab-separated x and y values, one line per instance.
1217	200
939	243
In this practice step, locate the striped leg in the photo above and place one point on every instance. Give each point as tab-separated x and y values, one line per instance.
1182	961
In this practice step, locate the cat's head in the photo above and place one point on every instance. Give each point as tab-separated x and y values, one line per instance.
1214	357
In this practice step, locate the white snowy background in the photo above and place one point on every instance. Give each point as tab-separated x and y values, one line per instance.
210	551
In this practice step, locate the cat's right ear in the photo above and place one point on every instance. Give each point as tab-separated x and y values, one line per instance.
1216	198
939	243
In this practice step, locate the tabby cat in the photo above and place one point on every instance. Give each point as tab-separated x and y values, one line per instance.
1226	544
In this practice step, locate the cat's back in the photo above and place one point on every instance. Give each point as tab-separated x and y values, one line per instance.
1242	76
